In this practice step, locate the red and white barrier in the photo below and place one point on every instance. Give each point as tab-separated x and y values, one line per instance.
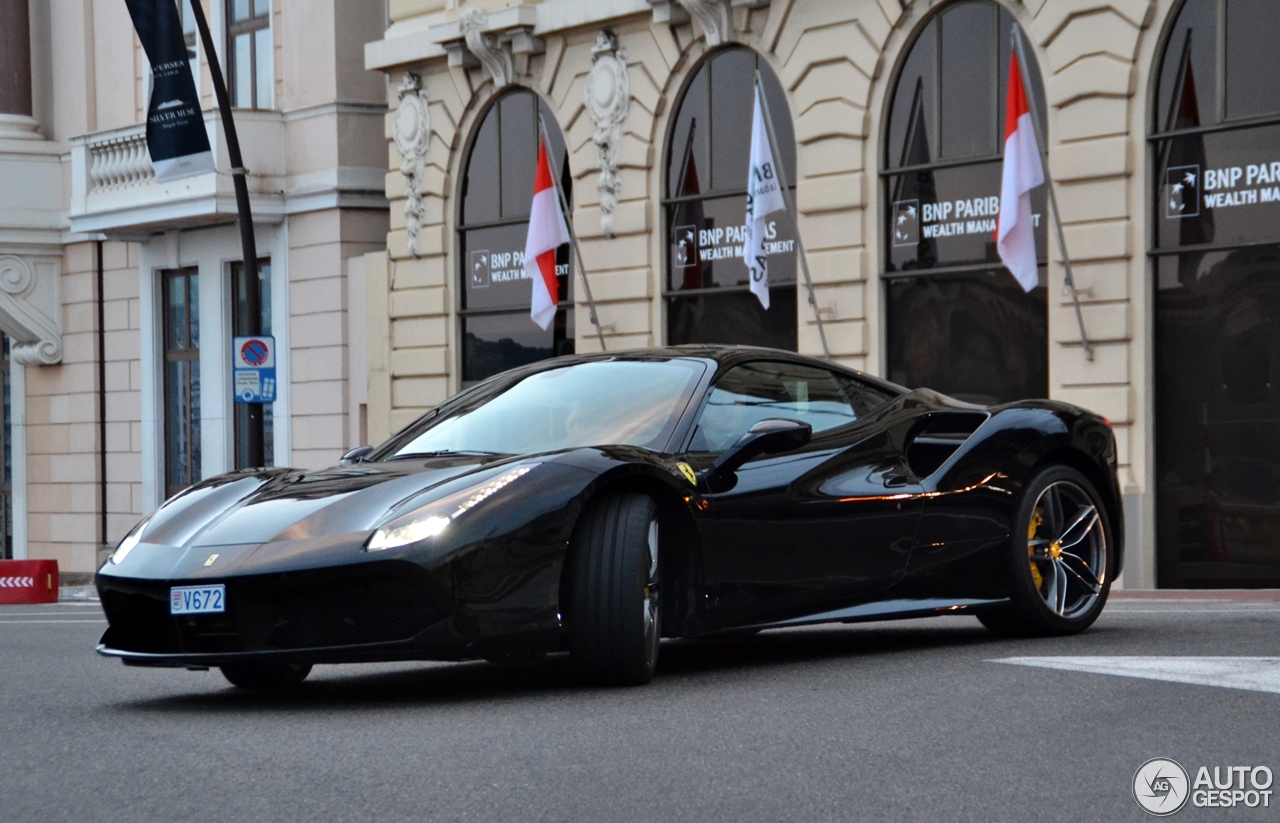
28	581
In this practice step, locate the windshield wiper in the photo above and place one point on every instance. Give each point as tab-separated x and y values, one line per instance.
443	453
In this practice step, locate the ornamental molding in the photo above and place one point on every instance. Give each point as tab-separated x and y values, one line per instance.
608	98
489	40
31	308
413	138
714	16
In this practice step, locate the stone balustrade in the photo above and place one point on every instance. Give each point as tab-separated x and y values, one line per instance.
119	159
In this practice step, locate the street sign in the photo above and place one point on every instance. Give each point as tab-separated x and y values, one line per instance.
253	362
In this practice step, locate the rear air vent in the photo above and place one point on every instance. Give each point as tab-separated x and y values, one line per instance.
937	436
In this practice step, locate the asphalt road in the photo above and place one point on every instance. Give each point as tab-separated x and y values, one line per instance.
890	721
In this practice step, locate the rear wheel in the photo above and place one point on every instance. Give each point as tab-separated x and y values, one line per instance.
265	676
615	615
1059	558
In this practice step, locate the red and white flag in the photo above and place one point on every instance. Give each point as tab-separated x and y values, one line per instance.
547	233
1015	232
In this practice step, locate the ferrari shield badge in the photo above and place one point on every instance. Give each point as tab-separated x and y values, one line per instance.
687	471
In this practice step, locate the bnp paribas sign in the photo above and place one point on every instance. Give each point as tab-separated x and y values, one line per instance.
176	137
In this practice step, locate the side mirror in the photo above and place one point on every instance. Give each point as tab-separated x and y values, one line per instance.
772	436
356	455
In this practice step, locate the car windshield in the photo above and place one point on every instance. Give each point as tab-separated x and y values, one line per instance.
599	403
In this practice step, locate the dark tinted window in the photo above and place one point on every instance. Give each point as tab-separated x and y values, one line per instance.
1218	46
707	282
1216	209
968	92
181	295
747	394
497	191
977	337
1253	61
959	329
956	71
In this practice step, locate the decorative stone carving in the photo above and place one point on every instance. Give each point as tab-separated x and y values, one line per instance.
712	17
486	47
29	306
608	97
413	138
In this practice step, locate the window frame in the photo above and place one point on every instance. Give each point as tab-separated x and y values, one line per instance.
1031	76
893	171
6	451
1160	136
564	317
249	26
839	377
189	354
670	202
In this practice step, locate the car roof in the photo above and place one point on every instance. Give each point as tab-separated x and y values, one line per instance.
724	357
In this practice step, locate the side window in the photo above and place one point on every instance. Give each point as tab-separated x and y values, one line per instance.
864	396
752	392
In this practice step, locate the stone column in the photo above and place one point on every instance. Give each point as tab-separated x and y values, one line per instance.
15	71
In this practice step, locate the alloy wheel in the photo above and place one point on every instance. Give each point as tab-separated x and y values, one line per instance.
651	592
1067	547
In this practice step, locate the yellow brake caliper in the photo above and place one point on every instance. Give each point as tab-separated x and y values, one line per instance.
1036	518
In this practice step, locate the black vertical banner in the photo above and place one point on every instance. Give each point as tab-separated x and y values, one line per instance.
176	135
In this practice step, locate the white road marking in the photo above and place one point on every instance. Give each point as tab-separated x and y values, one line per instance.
20	622
20	615
1192	611
1259	674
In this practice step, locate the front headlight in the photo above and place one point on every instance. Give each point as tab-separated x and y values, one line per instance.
130	540
433	519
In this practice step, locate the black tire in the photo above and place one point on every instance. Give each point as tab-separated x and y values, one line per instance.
615	611
265	676
1039	605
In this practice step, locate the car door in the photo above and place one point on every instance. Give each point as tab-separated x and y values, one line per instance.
809	530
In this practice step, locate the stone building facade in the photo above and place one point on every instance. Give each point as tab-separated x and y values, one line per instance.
118	294
616	80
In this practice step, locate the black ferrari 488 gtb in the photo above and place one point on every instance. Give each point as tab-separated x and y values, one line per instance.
595	504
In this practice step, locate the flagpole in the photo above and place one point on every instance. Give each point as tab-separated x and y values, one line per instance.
573	237
1069	280
791	211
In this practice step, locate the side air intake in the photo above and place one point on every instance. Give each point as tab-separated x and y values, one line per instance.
937	436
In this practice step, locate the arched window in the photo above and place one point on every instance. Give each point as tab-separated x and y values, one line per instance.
708	296
493	221
1216	228
958	321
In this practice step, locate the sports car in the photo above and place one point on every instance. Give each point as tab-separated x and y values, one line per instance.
595	504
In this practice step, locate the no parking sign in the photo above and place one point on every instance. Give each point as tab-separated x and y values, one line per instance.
254	367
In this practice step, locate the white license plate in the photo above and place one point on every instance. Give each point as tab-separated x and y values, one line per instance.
198	599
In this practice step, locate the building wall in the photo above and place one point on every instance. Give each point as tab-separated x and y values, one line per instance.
837	61
320	243
64	469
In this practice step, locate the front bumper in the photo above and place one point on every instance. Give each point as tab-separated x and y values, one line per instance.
386	610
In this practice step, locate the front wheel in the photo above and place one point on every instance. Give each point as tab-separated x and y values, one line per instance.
265	676
1059	558
615	607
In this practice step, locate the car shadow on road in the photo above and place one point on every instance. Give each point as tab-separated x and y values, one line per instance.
473	682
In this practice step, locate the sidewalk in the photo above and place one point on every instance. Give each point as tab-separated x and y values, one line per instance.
1238	595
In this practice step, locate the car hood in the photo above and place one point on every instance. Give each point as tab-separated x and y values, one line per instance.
278	505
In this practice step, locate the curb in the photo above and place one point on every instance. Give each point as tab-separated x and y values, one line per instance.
77	594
